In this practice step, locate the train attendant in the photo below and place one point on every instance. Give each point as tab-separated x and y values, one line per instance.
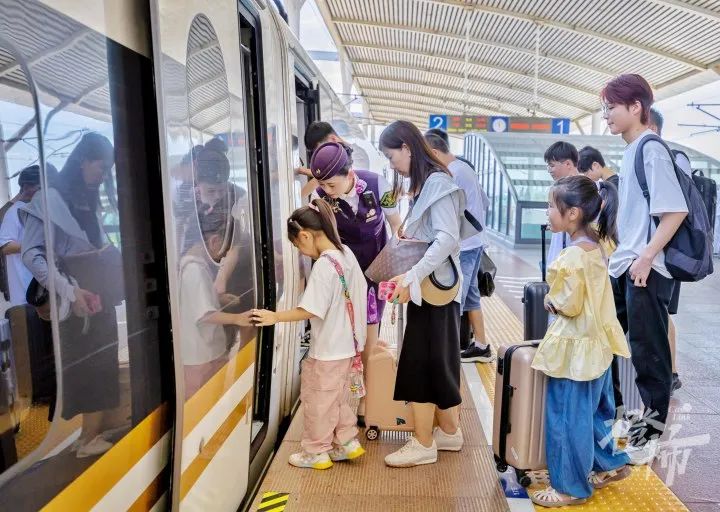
428	374
334	302
362	202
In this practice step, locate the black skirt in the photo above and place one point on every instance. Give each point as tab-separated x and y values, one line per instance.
90	367
429	363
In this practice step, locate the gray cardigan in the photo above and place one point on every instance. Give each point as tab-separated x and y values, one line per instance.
68	239
437	217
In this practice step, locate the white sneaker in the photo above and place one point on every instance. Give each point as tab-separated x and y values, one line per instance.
96	446
448	442
412	454
643	455
349	451
310	460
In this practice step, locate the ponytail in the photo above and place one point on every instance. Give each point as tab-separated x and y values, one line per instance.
317	216
607	221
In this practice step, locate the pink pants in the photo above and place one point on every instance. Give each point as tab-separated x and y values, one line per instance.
325	391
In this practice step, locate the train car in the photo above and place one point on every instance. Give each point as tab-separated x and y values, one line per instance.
135	380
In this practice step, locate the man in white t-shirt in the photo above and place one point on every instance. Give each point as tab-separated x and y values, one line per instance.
471	249
656	125
561	159
641	283
11	233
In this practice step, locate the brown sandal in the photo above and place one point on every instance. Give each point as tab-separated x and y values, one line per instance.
605	478
551	498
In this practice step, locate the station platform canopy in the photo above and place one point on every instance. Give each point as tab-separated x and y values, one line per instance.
412	58
512	171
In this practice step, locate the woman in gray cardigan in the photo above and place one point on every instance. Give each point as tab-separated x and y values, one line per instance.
428	374
86	274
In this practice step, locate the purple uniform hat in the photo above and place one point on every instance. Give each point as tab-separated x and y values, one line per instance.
328	160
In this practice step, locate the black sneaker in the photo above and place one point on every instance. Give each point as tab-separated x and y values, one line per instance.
676	383
476	354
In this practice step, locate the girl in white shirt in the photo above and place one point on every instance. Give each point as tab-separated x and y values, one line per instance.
330	432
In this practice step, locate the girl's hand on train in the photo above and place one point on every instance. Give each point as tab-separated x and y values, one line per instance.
263	317
244	319
401	295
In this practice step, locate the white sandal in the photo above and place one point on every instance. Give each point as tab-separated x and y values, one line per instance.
551	498
605	478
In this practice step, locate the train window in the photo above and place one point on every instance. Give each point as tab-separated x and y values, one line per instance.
217	278
27	371
93	244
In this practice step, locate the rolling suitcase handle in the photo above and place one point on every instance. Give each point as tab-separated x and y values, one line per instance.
543	261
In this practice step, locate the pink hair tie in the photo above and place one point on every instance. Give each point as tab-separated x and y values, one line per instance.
313	207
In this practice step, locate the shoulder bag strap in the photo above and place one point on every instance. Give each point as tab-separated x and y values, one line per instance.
346	292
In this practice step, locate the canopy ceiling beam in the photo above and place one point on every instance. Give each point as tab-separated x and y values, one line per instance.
568	27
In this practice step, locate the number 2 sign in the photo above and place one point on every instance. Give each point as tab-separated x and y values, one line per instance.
438	122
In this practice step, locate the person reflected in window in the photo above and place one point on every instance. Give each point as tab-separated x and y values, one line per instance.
202	338
84	257
18	276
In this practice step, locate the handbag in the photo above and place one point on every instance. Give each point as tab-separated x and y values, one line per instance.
486	276
400	255
357	384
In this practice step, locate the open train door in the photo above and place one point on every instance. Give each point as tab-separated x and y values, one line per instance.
199	71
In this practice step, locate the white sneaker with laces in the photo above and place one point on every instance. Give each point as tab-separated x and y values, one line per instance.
310	460
643	455
92	448
412	454
448	442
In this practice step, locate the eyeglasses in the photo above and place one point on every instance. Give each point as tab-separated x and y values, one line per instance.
605	108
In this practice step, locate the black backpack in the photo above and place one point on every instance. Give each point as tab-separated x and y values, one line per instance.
688	255
706	186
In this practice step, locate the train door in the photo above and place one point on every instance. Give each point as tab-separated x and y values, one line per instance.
207	164
306	111
87	395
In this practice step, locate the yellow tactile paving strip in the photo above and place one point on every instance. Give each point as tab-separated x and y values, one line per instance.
33	429
641	492
501	328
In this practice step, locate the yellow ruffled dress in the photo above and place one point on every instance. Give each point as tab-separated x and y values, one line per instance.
581	342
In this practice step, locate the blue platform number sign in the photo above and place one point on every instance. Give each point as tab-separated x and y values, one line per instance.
438	121
499	124
561	125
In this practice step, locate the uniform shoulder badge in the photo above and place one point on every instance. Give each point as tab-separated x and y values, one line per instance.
387	200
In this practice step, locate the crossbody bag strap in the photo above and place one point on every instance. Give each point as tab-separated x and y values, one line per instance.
348	301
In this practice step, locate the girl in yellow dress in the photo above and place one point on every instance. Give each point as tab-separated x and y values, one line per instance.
578	349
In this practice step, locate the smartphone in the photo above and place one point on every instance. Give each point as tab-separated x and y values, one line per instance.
386	289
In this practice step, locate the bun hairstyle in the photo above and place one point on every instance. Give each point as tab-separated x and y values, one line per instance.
316	216
580	192
213	165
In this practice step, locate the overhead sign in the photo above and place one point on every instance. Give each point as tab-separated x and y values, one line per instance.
499	124
438	122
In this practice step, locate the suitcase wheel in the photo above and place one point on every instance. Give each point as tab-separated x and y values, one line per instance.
524	480
372	433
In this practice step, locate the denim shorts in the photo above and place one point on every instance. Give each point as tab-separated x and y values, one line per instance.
470	267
